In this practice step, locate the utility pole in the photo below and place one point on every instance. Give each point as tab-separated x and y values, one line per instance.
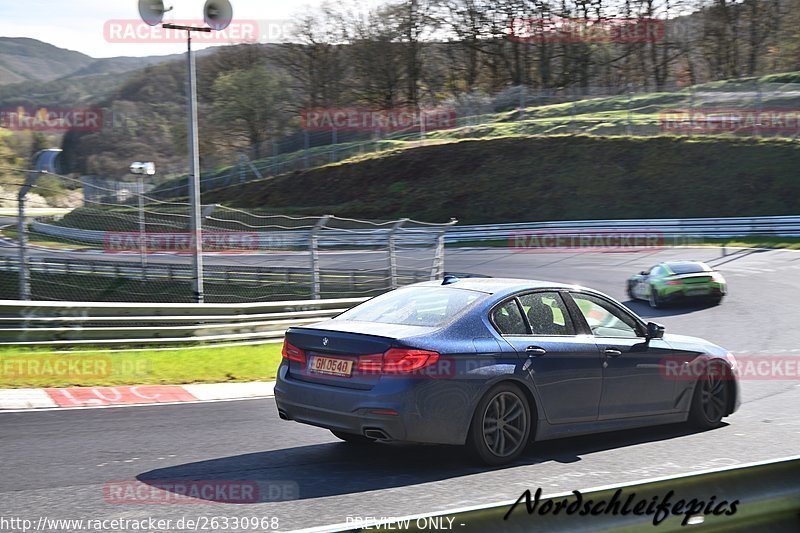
218	15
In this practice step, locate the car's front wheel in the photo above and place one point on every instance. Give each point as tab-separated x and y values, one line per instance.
629	290
711	395
655	299
501	425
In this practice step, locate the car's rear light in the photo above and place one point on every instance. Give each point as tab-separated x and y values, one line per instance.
716	277
293	353
397	361
406	360
370	364
674	282
384	412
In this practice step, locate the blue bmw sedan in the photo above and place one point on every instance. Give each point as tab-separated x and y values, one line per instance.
496	364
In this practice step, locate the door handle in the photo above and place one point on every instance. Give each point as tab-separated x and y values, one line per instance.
535	350
611	352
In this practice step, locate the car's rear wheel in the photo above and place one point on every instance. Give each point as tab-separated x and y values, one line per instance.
711	395
501	425
655	299
352	438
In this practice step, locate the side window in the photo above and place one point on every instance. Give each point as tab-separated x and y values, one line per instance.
604	318
508	320
547	313
656	271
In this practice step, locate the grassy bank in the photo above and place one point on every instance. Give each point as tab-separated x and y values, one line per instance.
22	367
531	178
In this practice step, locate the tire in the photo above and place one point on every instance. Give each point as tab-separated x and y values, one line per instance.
711	397
629	290
352	438
497	444
654	300
716	301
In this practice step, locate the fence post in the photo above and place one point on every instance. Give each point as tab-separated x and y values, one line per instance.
142	227
334	142
314	250
758	108
629	129
24	272
305	148
393	251
437	270
422	125
24	275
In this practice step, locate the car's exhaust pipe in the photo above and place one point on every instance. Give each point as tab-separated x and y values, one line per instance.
377	434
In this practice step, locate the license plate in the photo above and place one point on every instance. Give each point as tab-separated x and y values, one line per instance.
697	292
331	366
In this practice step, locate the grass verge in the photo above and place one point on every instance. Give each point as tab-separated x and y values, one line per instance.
22	367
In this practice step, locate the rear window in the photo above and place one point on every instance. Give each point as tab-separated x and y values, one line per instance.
689	268
414	306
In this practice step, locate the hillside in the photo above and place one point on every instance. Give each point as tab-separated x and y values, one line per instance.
23	59
36	74
529	178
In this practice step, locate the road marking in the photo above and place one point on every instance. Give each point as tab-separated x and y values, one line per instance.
97	396
120	406
26	399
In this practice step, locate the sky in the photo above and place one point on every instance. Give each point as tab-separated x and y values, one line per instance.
110	28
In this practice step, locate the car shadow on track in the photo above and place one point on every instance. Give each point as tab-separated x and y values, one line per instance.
339	468
644	310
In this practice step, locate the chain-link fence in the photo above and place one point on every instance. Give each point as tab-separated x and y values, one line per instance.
104	251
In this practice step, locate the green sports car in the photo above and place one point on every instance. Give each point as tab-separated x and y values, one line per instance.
678	281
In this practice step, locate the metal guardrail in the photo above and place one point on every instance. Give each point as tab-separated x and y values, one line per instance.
767	496
268	240
75	323
364	280
783	226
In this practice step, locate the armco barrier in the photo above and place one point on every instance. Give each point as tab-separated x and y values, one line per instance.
75	323
767	496
783	226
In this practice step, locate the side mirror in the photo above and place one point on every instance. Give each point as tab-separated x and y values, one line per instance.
644	272
655	331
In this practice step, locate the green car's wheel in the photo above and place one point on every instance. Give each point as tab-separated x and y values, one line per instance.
655	299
